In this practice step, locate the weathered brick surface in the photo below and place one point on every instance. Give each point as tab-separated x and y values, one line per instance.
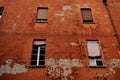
65	36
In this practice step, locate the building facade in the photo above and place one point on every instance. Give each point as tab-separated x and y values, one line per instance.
59	40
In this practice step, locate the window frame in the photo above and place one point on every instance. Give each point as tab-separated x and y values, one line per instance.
95	59
38	65
41	20
88	21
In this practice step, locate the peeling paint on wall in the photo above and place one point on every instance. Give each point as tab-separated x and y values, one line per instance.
61	68
17	68
111	64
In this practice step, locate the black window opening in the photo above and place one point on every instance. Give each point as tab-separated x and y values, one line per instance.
38	53
87	15
42	15
1	10
104	1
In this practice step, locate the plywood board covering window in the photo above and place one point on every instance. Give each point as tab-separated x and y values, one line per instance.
42	15
87	15
38	53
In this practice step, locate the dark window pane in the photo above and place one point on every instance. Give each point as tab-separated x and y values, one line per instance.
34	51
34	57
42	47
35	46
41	62
33	62
42	57
104	1
42	51
99	63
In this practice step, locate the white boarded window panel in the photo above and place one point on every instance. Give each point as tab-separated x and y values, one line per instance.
39	42
93	48
42	14
92	62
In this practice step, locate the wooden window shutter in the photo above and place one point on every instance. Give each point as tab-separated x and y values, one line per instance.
87	15
42	13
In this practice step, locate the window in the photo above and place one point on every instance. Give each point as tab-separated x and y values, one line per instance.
94	54
87	15
42	15
104	1
1	10
38	53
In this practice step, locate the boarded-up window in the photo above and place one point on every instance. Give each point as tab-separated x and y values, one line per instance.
87	15
1	10
42	15
94	53
38	53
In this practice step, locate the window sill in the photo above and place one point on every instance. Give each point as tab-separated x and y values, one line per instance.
41	22
97	66
42	66
88	22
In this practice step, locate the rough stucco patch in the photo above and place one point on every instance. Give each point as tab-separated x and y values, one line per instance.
17	68
61	68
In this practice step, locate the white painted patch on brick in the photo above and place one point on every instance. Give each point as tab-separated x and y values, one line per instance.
59	14
17	68
73	44
67	7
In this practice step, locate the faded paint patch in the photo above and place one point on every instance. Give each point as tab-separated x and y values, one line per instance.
78	5
67	7
61	68
14	27
111	64
59	14
7	69
73	44
62	19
